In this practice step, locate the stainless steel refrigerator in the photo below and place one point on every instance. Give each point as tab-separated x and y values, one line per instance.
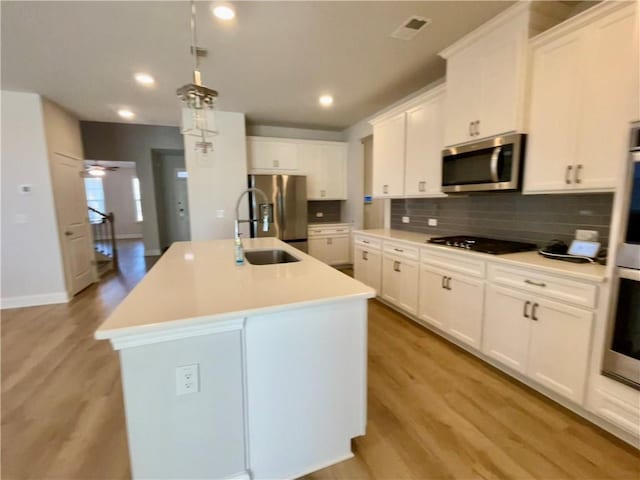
287	196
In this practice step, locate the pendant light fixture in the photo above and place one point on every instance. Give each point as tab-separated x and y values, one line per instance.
198	101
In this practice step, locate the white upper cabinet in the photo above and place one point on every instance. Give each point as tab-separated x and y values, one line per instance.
407	148
388	156
272	154
423	166
486	78
584	93
324	163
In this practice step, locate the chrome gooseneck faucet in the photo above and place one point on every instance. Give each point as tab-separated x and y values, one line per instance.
264	211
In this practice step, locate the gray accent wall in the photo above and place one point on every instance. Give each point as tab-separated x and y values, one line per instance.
509	216
331	211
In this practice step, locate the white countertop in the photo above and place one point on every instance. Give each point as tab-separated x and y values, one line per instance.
199	282
590	272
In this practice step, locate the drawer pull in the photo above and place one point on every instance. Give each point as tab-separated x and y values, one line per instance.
399	250
525	310
537	284
366	241
533	312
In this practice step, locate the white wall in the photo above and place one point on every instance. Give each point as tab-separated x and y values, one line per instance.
289	132
217	179
118	193
32	269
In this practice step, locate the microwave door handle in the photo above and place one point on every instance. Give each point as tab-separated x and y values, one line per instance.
494	164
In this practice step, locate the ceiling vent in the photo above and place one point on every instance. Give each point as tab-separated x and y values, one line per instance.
410	28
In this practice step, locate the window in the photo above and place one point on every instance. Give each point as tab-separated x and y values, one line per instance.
95	198
136	198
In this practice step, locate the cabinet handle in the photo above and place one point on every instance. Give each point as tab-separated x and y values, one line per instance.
396	266
329	241
448	283
385	189
399	250
577	178
323	193
533	312
365	255
471	129
276	163
537	284
477	127
365	241
525	310
444	280
567	174
422	186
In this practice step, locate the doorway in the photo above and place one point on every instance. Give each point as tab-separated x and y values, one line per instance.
171	194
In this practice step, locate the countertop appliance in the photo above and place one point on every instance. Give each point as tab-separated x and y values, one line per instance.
492	164
287	208
483	245
622	357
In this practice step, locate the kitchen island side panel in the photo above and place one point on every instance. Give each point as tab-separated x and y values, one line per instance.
306	380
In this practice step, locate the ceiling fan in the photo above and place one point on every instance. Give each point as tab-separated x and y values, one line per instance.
98	170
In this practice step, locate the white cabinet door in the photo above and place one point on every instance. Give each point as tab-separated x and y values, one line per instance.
554	113
500	94
463	90
367	267
318	248
338	248
400	283
559	347
388	156
506	329
464	308
268	154
334	161
423	172
433	297
408	271
610	100
310	162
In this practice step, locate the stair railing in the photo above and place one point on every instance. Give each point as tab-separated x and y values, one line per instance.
104	236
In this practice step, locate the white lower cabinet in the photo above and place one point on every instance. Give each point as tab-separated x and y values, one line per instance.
367	267
400	282
453	303
332	250
546	340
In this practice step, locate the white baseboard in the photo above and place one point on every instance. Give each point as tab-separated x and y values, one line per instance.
126	236
34	300
151	252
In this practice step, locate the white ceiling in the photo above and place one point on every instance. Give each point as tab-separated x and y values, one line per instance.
272	62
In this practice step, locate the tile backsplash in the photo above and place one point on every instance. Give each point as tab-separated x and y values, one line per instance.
508	216
331	211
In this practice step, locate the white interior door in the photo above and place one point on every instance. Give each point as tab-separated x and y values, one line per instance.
73	222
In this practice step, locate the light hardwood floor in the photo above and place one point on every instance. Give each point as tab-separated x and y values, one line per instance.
434	411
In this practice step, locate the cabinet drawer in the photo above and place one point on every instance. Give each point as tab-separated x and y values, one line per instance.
578	293
333	231
451	262
401	250
369	242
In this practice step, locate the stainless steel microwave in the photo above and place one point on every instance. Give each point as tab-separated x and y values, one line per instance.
492	164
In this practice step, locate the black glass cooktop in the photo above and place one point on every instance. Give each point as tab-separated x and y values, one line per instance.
483	245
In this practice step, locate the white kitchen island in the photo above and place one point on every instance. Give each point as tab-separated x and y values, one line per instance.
275	384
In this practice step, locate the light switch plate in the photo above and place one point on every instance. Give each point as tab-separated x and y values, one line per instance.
406	219
432	222
319	214
187	379
587	235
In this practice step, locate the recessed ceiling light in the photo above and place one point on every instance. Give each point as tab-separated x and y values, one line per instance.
128	114
144	79
224	12
326	100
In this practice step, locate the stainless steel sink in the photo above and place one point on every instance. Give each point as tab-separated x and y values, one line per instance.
269	257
